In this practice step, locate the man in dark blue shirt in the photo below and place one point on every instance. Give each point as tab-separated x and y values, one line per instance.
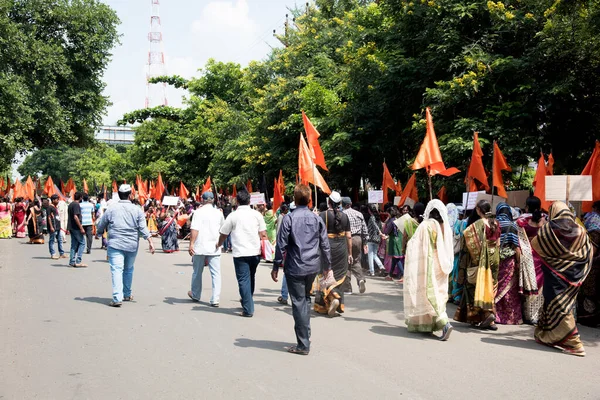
301	241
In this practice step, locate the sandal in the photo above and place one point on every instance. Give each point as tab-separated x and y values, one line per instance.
79	266
296	350
280	300
128	298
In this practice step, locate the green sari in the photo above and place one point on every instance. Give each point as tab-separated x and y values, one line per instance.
271	222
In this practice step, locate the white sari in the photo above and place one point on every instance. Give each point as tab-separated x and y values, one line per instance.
429	261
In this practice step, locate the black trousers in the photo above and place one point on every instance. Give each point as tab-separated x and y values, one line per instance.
299	289
89	238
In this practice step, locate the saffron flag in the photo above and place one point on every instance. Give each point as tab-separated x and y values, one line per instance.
476	169
410	190
249	186
500	165
593	168
398	189
18	190
540	183
159	187
62	187
85	186
70	186
312	136
443	195
276	196
281	183
29	188
115	189
550	165
430	156
234	192
388	183
306	171
49	186
183	192
207	186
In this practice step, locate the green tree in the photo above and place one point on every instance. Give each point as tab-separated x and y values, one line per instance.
52	56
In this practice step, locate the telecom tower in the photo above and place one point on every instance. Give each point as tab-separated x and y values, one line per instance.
156	93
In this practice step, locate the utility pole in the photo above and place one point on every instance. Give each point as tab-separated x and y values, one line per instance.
156	93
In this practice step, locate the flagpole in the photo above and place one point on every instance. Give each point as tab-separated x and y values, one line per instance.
493	168
430	185
468	192
314	182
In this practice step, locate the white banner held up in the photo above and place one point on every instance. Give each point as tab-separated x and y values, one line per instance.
472	198
257	198
375	196
569	188
170	200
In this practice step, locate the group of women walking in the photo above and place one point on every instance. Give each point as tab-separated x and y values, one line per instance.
22	219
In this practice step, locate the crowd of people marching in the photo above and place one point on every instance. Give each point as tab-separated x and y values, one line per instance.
499	266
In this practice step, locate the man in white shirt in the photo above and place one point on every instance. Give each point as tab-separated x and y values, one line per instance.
206	223
247	227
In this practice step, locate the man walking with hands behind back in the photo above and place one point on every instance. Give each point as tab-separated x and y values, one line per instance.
77	231
206	224
125	223
360	233
247	228
302	241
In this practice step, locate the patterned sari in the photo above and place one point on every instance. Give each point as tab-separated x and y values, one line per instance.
479	255
566	252
5	221
168	233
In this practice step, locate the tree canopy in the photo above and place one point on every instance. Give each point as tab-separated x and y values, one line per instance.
52	57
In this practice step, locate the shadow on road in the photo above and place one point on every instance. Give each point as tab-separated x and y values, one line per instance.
60	265
100	300
262	344
401	331
175	300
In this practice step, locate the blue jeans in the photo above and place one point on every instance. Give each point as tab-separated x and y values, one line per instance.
77	247
284	289
121	268
52	236
227	243
373	257
245	269
214	265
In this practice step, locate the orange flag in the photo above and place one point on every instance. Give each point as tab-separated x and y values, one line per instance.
207	186
18	190
398	189
593	168
159	187
550	166
62	187
430	156
500	165
540	183
388	183
234	192
70	186
49	186
29	188
183	192
85	186
443	195
115	189
312	136
281	183
410	191
476	169
249	186
276	196
306	171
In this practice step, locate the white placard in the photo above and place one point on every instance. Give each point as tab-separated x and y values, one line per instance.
397	200
170	200
472	198
409	202
375	196
580	188
493	200
257	198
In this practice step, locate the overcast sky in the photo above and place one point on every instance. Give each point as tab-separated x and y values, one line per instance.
193	32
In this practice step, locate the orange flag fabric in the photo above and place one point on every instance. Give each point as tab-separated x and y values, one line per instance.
550	165
410	190
85	186
115	189
312	136
443	195
18	190
234	191
281	183
500	165
398	189
183	192
70	186
306	171
159	187
207	186
430	156
540	183
388	183
476	169
276	196
29	188
49	186
249	186
593	168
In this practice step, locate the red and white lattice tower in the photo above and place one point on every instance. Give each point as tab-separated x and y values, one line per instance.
156	93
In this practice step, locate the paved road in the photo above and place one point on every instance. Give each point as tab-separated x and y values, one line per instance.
59	340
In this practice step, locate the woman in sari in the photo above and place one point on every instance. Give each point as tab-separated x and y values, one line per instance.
588	300
458	225
508	300
34	224
330	300
168	232
478	271
20	217
151	218
529	224
567	254
429	261
5	219
394	242
271	223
